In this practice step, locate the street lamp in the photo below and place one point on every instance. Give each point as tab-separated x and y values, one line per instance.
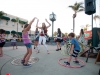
52	18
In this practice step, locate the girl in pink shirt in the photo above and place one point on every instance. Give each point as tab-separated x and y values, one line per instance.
27	43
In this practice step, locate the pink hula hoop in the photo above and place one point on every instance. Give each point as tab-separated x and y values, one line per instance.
83	63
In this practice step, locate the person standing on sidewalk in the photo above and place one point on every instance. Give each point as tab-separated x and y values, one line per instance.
59	39
27	43
81	36
2	41
13	41
43	34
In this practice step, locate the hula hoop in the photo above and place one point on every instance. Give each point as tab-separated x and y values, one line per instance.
65	51
83	63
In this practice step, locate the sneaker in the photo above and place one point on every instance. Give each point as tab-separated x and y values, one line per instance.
57	49
67	63
60	49
38	51
34	47
48	52
77	62
22	61
27	65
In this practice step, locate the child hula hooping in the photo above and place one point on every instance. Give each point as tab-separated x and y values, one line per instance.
43	34
75	49
27	43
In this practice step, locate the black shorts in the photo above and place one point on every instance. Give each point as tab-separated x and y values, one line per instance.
59	40
75	53
2	44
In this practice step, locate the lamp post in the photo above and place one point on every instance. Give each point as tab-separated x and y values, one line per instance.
52	18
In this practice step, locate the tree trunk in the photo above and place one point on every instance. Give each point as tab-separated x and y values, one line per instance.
73	24
74	15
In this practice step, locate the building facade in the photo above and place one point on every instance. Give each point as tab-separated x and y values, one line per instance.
11	25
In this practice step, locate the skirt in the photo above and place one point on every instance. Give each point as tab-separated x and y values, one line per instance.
13	43
2	44
59	40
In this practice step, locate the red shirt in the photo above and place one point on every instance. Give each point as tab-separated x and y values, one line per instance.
43	32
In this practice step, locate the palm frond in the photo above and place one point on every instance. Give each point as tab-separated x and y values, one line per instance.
96	17
87	25
17	19
75	4
77	7
80	10
81	7
80	3
73	8
2	13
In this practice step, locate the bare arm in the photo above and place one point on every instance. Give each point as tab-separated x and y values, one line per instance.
37	25
79	35
72	48
29	26
3	37
48	23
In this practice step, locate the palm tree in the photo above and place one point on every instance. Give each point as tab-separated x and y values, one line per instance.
96	17
86	27
77	7
1	13
55	33
66	34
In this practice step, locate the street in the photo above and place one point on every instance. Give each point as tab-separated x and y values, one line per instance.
42	63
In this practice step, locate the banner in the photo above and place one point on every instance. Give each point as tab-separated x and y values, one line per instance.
88	34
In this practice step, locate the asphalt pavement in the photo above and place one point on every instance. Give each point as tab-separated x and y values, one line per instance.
43	63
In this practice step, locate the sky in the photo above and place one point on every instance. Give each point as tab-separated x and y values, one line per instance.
28	9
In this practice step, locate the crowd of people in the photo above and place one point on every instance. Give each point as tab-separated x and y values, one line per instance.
41	38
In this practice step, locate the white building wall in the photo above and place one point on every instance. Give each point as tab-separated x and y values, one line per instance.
11	25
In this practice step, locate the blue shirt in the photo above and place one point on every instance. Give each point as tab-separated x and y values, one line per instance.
75	43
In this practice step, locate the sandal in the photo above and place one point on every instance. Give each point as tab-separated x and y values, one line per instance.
48	52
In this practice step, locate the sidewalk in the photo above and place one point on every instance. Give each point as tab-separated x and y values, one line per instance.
47	64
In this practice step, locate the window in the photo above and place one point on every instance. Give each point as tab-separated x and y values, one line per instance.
7	23
22	26
1	22
19	26
13	24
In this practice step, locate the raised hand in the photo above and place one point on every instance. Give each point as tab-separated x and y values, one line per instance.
35	17
37	20
48	23
46	20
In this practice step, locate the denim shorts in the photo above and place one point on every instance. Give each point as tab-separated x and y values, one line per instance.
29	45
13	43
37	39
